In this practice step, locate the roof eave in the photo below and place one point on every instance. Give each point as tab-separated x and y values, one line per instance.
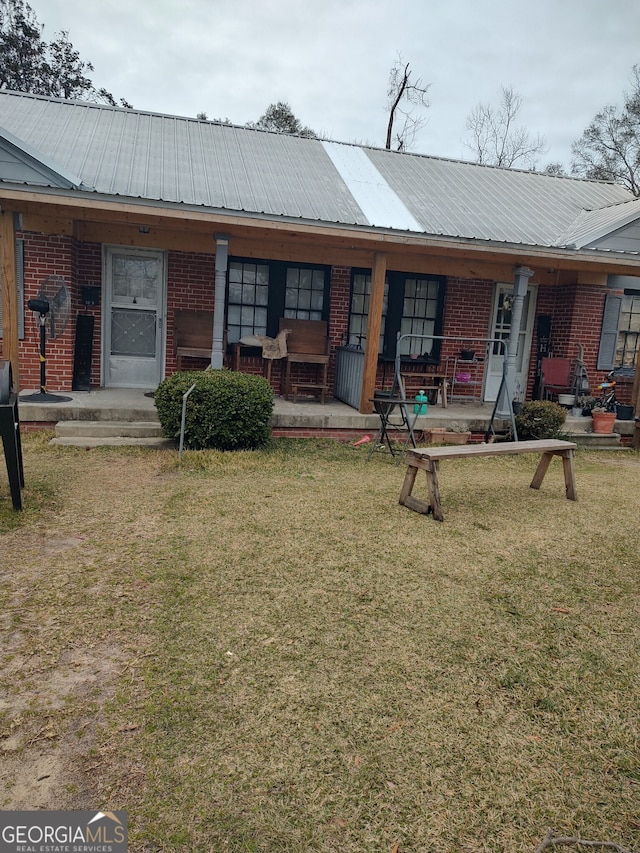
366	235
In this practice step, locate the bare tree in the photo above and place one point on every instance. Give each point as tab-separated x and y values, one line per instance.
496	138
609	148
404	90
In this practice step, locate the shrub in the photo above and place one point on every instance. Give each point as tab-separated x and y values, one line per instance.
225	411
540	419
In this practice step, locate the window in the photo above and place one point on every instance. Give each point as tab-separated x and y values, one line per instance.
628	331
247	300
413	305
20	280
259	293
620	338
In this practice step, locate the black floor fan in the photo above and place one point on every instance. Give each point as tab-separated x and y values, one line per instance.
52	307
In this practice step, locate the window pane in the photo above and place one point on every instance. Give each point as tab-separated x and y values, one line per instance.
260	321
291	299
262	295
305	279
304	299
262	274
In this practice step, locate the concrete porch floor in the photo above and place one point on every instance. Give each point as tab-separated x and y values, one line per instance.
125	404
120	405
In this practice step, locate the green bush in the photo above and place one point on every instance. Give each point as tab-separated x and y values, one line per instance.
540	419
225	411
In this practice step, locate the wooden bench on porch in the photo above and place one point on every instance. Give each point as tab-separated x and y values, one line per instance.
192	334
428	459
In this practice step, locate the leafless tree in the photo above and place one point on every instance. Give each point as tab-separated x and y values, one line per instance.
497	139
609	149
405	90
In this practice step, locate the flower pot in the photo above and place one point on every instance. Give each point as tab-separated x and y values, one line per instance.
576	412
456	437
434	435
566	399
624	413
603	422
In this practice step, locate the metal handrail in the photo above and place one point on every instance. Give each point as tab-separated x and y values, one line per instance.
185	397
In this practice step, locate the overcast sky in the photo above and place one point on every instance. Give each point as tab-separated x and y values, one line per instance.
330	59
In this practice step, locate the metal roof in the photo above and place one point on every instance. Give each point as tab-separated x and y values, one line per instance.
175	160
591	226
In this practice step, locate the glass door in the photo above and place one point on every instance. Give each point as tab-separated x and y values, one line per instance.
133	315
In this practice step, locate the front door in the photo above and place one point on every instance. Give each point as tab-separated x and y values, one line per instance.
500	330
133	318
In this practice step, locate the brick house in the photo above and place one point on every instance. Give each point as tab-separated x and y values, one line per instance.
139	214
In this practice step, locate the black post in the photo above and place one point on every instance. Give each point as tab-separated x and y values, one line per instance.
10	431
43	354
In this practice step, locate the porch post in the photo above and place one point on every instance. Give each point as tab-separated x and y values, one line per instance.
374	322
9	292
521	281
219	299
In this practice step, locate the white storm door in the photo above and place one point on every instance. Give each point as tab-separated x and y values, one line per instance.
133	318
500	330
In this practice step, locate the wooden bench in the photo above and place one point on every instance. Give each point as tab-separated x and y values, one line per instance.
308	343
192	334
428	459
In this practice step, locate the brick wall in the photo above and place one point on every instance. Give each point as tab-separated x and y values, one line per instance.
46	255
576	313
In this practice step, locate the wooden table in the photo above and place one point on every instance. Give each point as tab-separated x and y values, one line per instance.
428	459
431	383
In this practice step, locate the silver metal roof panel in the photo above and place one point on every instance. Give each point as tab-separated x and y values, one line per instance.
174	160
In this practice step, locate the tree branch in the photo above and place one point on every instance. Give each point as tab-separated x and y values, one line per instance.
564	841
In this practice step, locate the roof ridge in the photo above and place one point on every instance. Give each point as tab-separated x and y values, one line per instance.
323	138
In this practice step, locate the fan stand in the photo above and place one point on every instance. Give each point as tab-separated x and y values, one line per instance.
43	396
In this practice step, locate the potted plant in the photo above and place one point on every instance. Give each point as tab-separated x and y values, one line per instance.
603	419
455	433
603	411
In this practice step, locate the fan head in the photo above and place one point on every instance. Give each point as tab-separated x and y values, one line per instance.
55	291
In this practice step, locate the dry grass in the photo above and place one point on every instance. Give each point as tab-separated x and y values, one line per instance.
265	652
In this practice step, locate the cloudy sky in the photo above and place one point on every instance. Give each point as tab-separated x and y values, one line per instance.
330	59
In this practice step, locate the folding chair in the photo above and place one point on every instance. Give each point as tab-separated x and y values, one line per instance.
556	377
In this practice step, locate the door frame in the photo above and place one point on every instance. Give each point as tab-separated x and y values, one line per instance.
108	251
527	337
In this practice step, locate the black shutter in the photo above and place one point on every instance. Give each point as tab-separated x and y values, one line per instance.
609	334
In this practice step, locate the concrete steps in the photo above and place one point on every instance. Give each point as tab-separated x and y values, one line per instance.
595	441
109	434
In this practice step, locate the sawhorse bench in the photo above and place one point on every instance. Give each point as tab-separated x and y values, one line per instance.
428	459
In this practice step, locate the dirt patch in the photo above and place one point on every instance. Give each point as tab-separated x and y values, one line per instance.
50	725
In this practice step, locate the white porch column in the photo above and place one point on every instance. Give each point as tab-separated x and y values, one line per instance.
521	282
220	295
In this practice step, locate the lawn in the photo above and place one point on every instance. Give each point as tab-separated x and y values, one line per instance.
264	652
